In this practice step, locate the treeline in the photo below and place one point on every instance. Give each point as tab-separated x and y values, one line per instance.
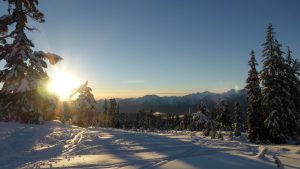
273	94
221	118
273	103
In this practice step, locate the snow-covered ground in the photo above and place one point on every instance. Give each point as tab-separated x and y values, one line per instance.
56	145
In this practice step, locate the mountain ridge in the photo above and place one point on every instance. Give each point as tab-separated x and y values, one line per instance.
179	104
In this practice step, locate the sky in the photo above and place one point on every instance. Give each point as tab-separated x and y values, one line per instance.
132	48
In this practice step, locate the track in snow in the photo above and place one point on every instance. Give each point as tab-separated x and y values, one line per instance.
52	145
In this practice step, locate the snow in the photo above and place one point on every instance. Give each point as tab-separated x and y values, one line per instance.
200	118
53	58
56	145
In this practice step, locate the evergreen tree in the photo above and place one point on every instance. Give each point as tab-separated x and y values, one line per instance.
112	117
117	118
201	117
185	121
85	106
105	113
238	120
105	106
254	97
23	76
223	116
115	114
292	72
113	106
169	122
177	122
142	122
276	90
150	119
118	108
159	122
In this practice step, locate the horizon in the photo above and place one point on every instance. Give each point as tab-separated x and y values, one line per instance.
136	48
150	84
235	90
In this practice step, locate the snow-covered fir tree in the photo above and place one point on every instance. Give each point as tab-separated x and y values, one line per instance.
202	119
276	90
85	106
254	97
292	72
23	75
238	120
223	116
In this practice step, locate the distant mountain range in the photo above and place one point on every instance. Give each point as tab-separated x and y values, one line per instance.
179	104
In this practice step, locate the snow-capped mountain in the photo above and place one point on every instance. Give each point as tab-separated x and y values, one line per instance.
179	104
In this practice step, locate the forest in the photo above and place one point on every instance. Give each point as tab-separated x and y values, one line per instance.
273	93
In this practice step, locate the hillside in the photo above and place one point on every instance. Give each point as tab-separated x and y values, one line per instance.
179	104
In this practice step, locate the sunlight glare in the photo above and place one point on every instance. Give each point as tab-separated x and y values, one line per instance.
62	84
236	87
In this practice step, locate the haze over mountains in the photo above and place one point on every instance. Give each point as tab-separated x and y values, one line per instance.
179	104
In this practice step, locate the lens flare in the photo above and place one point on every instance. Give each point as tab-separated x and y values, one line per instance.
62	84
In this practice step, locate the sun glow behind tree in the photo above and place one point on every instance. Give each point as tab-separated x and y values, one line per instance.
63	83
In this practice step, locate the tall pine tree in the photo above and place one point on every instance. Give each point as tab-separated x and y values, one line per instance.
254	97
23	75
276	90
292	71
238	120
223	116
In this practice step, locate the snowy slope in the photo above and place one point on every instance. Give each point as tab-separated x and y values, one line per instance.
57	145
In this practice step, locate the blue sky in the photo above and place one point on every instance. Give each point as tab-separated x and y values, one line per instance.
132	48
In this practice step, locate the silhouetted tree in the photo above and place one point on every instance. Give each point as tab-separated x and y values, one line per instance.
276	90
223	116
254	97
238	120
292	71
85	107
23	76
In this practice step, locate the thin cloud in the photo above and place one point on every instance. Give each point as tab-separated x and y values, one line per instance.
133	81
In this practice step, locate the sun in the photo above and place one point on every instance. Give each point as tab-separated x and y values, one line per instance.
62	84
